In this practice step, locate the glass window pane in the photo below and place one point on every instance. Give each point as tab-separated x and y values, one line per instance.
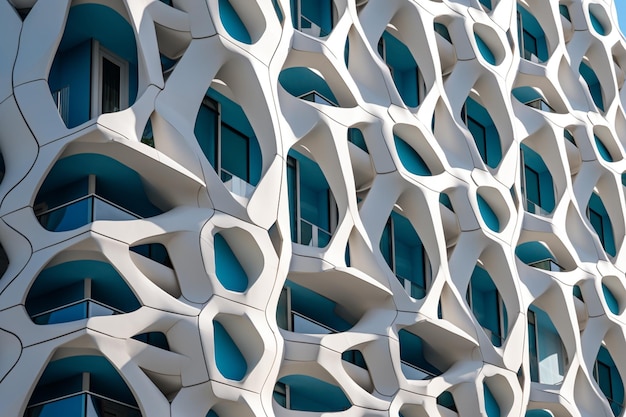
235	153
111	84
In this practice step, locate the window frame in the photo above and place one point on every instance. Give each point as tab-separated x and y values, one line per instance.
98	54
500	311
405	282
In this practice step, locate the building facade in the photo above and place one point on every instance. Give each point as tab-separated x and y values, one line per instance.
312	207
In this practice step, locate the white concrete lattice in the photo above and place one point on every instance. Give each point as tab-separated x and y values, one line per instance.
185	381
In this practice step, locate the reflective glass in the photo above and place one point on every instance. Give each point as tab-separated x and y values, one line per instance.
67	407
107	211
302	324
69	217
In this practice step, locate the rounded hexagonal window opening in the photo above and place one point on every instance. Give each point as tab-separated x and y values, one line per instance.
76	384
238	347
303	310
405	255
306	393
487	304
228	141
83	188
78	290
95	68
312	209
547	354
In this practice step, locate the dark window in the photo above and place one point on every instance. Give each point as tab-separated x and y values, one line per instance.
111	85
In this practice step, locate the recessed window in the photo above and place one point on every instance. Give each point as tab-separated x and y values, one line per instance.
547	353
532	39
406	75
406	256
313	17
312	207
484	132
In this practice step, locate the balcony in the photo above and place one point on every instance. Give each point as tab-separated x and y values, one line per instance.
302	310
312	235
84	210
228	142
412	371
83	404
83	188
304	324
75	311
540	104
78	290
236	185
315	97
547	265
535	208
86	78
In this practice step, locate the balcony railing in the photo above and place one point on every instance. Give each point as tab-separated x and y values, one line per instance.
412	371
313	235
315	97
547	265
77	310
236	185
540	104
496	338
84	210
535	208
310	28
530	56
83	404
304	324
414	290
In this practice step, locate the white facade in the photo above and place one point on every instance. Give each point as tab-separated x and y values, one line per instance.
187	212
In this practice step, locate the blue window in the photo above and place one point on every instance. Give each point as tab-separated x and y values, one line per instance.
483	130
413	363
78	290
487	4
306	393
537	184
302	310
403	68
227	140
532	39
593	84
547	353
608	378
83	188
355	136
564	11
95	68
313	17
312	208
537	255
307	85
487	305
405	254
601	223
81	386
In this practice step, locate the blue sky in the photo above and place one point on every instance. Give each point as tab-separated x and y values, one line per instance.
621	13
